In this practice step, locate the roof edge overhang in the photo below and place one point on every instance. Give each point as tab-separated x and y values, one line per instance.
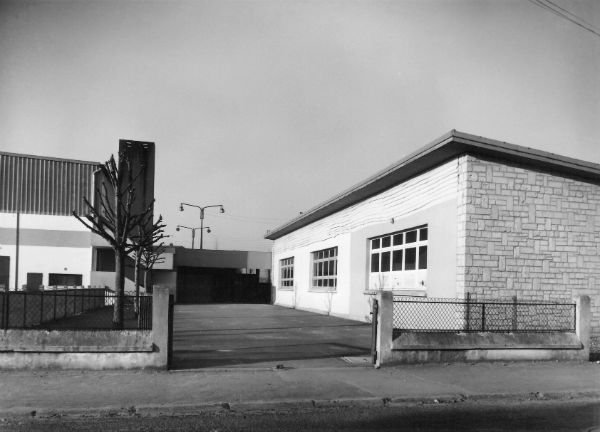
447	147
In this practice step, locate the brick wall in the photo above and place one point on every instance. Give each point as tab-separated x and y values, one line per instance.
526	233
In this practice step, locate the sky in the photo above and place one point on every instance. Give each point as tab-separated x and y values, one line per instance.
271	107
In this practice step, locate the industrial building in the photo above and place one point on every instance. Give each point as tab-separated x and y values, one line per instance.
41	243
464	215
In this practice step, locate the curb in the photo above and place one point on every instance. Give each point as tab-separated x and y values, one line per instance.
291	405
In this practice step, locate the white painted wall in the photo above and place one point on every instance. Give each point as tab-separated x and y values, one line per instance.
55	252
429	198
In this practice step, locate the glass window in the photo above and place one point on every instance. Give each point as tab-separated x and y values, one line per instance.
325	268
397	260
385	262
286	268
375	263
400	252
410	260
422	257
398	239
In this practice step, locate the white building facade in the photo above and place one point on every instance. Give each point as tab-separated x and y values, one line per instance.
41	243
463	215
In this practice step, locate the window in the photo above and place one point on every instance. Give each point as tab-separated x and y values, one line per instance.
286	272
324	274
63	279
105	260
397	254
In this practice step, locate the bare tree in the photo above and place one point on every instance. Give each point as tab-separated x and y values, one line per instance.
146	251
113	219
152	256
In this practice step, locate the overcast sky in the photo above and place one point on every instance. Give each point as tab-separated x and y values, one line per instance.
270	107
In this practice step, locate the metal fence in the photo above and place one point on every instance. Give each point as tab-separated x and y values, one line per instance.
71	309
457	315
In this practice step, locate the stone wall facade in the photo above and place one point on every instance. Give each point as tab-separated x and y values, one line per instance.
528	234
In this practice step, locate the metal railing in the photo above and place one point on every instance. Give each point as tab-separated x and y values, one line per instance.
458	315
71	309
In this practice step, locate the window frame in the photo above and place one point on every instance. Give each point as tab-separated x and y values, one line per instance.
324	264
397	246
286	279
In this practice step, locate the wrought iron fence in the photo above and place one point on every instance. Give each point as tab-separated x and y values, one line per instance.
457	315
72	309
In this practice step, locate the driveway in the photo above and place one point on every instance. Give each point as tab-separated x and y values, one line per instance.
253	335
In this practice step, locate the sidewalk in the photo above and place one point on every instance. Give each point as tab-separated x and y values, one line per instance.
151	392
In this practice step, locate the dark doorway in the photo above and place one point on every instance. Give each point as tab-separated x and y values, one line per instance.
4	271
219	285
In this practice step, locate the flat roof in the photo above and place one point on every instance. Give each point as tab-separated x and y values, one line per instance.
28	156
446	147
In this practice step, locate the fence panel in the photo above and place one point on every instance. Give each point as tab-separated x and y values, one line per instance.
71	309
457	315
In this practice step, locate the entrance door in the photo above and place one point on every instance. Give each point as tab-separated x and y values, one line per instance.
4	271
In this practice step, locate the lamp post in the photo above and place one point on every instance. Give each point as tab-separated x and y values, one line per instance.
193	230
222	209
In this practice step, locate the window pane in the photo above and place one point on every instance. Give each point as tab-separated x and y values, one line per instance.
332	268
423	234
397	239
423	257
292	272
385	242
397	260
411	236
315	269
320	269
335	267
410	259
375	263
375	244
320	282
385	262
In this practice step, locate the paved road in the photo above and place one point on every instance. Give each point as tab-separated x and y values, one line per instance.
238	335
528	416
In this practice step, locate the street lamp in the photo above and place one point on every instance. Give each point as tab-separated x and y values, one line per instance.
222	209
193	230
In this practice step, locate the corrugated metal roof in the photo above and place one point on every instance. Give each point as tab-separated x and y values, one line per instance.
448	146
44	185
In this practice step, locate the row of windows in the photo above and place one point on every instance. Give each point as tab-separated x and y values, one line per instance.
396	252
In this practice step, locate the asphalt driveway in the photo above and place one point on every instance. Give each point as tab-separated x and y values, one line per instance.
253	335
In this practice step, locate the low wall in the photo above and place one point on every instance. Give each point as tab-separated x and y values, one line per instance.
424	347
91	349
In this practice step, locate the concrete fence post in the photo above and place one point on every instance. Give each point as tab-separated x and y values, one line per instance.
385	327
582	324
160	324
